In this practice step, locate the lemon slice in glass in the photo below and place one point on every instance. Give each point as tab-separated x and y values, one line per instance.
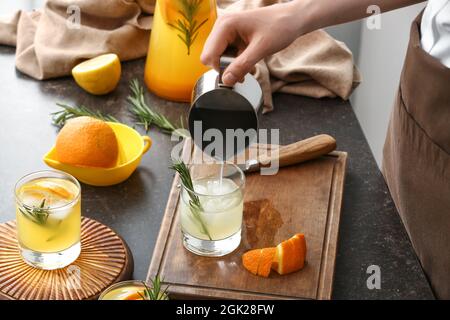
54	193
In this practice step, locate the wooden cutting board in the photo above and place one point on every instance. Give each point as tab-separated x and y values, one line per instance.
302	198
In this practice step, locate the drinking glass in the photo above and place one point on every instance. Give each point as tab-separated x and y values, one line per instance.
48	212
125	290
132	290
211	213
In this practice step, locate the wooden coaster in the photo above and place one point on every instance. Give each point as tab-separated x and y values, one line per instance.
104	260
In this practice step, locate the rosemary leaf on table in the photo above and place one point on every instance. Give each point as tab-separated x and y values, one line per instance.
148	117
138	107
194	203
68	112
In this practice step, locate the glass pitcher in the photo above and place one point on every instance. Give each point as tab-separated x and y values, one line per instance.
180	29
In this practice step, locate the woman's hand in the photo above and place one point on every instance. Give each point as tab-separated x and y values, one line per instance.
255	33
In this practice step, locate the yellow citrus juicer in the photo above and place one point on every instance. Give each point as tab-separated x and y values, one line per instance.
132	146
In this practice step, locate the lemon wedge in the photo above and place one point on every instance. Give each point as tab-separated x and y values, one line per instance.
99	75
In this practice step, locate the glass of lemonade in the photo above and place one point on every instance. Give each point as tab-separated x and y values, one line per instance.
125	290
134	290
48	212
211	214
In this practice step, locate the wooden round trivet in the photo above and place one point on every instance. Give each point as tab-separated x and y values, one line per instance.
104	260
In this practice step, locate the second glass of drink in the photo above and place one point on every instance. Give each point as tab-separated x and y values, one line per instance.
211	214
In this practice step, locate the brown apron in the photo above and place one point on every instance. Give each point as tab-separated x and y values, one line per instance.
416	162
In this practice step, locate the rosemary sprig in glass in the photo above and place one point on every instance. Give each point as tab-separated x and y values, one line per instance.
38	215
69	112
148	117
154	292
194	202
188	26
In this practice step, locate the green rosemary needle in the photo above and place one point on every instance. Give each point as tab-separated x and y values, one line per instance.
154	292
188	26
148	117
38	215
194	202
69	112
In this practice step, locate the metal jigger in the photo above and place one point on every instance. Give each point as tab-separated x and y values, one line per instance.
224	110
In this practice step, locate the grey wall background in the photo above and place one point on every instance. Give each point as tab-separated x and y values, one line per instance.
379	55
350	33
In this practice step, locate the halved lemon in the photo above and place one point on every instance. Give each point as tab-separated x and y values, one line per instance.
99	75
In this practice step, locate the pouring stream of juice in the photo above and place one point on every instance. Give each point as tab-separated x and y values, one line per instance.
221	174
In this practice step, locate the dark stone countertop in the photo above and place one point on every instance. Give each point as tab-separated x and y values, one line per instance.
371	232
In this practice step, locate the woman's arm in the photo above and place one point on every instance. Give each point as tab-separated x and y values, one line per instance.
260	32
325	13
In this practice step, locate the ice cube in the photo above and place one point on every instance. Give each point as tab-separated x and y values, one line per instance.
228	186
220	203
200	189
211	204
60	214
31	200
217	187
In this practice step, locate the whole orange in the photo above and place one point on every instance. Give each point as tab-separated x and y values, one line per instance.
87	142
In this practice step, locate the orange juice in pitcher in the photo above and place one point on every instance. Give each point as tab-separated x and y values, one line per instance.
180	29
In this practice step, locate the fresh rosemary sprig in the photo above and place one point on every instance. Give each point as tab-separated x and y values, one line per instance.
154	292
38	215
194	202
138	107
69	112
188	26
148	117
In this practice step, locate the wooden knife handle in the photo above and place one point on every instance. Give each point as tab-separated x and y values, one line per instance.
301	151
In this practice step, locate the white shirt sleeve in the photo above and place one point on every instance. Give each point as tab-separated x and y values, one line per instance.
435	30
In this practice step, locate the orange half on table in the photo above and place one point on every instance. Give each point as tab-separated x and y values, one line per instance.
131	146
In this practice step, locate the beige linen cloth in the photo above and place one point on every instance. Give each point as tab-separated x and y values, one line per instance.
49	46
